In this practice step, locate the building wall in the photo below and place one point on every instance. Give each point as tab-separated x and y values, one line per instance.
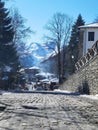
88	73
88	44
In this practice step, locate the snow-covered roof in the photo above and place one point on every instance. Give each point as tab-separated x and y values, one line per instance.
21	70
34	68
93	25
41	74
45	74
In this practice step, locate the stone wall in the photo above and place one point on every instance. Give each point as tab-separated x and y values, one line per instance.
85	78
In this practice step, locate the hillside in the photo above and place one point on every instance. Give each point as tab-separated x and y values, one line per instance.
34	53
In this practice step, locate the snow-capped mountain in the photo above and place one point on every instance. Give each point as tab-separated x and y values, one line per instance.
34	53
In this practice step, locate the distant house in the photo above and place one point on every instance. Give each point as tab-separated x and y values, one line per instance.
30	73
90	35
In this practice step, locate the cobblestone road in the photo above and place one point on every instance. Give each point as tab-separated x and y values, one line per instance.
40	111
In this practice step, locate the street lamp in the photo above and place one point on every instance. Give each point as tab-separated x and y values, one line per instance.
73	66
72	57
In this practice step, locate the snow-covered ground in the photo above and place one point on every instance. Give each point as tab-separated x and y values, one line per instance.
45	111
94	97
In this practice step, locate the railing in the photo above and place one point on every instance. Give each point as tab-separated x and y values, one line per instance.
92	52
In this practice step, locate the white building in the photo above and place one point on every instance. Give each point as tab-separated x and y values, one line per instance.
90	35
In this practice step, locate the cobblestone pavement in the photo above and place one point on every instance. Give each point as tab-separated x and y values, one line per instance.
40	111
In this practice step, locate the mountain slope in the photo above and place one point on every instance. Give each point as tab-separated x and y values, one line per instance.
35	53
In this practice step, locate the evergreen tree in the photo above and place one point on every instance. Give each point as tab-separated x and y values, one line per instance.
75	44
8	53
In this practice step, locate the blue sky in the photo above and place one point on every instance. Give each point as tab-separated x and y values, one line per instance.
38	12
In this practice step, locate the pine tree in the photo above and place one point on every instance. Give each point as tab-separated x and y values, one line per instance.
75	44
8	53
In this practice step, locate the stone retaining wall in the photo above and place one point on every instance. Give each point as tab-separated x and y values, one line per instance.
85	79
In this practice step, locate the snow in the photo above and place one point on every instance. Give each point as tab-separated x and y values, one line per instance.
93	25
62	91
93	97
49	76
30	87
34	68
21	70
32	47
54	80
48	56
35	53
38	57
41	74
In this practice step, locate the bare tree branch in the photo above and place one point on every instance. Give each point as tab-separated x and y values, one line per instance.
60	29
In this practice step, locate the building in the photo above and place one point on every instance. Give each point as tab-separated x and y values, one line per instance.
31	72
90	36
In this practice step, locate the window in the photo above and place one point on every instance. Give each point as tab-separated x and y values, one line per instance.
90	36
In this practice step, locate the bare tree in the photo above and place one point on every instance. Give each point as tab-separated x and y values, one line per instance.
21	31
66	38
60	28
7	1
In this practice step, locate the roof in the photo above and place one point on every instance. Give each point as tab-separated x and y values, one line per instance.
34	68
93	25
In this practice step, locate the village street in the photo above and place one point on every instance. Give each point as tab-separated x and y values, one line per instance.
47	111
